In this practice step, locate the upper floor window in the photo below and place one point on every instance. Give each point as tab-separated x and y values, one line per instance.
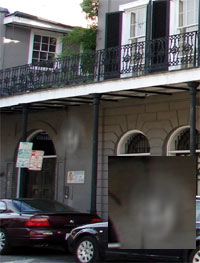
188	12
138	23
44	49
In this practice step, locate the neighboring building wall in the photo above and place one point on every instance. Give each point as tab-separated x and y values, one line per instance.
71	133
16	54
156	116
3	12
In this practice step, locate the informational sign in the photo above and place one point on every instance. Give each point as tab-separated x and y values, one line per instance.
24	154
36	160
76	177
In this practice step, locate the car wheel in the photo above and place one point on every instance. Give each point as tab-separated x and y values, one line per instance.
195	255
3	242
87	250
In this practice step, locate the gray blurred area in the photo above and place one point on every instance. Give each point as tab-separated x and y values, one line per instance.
152	201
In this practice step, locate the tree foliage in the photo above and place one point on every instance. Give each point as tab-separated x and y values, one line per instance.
90	7
83	37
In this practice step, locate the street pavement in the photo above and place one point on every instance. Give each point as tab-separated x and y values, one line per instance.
27	255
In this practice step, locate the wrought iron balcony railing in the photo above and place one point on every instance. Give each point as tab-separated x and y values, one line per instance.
175	52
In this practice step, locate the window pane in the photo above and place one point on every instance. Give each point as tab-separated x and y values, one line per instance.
44	47
35	54
45	40
52	41
36	46
50	56
52	48
43	55
37	38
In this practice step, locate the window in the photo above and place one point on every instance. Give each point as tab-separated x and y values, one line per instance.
44	49
138	23
179	145
188	12
133	143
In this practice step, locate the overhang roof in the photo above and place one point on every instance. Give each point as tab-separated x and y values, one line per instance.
31	21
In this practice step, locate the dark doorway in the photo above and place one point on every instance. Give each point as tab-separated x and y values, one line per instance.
41	184
112	45
157	34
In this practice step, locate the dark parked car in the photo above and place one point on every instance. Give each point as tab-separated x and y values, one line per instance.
38	222
93	242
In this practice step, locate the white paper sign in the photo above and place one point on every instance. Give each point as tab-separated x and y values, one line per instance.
76	177
24	154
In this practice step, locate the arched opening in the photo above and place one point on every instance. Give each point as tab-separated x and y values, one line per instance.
179	145
133	143
41	184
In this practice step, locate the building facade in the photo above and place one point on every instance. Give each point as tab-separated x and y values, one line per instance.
137	95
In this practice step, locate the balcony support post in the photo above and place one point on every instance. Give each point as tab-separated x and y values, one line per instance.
193	86
96	101
21	171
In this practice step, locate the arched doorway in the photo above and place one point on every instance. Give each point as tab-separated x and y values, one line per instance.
41	184
179	145
133	143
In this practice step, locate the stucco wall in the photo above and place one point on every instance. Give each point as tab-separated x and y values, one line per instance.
71	131
156	116
16	54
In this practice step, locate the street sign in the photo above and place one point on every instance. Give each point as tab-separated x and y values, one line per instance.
24	154
36	160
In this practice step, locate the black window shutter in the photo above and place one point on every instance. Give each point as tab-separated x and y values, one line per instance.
113	29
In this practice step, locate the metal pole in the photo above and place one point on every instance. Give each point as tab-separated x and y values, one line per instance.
21	171
193	86
96	99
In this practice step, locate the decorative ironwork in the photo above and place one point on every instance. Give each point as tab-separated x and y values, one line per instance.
183	140
137	143
172	53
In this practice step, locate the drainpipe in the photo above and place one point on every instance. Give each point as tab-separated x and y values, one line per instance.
193	86
21	171
96	99
198	38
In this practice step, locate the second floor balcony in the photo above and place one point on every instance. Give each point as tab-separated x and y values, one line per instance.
177	52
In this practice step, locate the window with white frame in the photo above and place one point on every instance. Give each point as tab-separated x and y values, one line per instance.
188	12
138	23
44	46
133	143
44	49
179	145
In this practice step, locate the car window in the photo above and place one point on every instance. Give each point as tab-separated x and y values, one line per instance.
198	210
2	206
35	205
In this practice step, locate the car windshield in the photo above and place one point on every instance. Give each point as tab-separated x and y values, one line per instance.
198	210
39	205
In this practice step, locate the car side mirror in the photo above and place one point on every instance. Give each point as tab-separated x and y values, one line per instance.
2	207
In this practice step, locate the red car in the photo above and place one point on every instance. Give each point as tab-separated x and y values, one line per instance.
38	222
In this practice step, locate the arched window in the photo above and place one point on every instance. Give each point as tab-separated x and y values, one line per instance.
133	143
179	144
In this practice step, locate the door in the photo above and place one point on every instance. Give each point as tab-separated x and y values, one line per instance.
157	35
41	184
